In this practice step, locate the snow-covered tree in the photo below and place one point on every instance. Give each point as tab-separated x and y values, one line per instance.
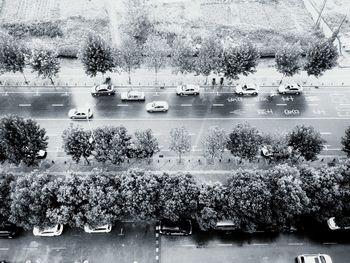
96	55
12	55
215	143
156	50
21	139
180	141
288	59
145	145
45	63
321	56
77	143
345	141
183	55
241	59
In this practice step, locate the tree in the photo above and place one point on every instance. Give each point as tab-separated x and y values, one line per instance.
5	199
21	140
140	194
178	196
77	143
306	142
322	187
180	141
96	55
289	199
145	145
345	141
12	56
33	195
183	55
209	57
111	144
244	141
249	199
321	56
288	59
156	51
137	23
241	59
277	146
130	54
215	143
45	63
212	205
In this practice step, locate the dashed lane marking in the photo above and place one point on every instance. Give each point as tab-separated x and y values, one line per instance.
329	243
186	105
295	244
326	133
281	104
4	248
25	105
218	105
259	244
224	245
57	105
122	105
188	245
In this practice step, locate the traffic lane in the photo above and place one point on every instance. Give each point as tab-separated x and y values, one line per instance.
262	247
331	129
127	243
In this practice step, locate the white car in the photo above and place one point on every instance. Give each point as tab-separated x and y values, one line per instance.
132	95
187	89
157	106
290	89
104	89
247	89
314	258
332	224
80	113
100	229
48	231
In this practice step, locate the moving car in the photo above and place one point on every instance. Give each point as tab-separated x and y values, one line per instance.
80	113
100	229
157	106
336	223
8	231
48	231
187	89
314	258
179	228
247	89
290	89
104	89
132	95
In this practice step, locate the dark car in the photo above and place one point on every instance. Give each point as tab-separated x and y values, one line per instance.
178	228
101	90
8	231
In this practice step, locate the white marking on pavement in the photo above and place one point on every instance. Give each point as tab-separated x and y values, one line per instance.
192	134
281	104
58	248
332	149
122	105
188	245
218	105
57	105
186	105
329	243
4	248
224	245
24	105
259	244
295	244
326	133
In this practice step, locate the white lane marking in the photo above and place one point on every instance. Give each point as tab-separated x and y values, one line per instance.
259	244
58	248
57	105
332	149
281	104
204	119
188	245
25	105
186	105
122	105
295	244
224	245
192	134
218	105
326	133
329	243
4	248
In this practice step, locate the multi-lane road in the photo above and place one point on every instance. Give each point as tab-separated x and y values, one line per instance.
326	108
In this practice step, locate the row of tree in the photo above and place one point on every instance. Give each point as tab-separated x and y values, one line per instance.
252	198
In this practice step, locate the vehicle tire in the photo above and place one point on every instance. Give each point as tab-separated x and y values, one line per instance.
255	93
164	110
72	118
109	94
284	93
297	93
241	93
196	94
181	94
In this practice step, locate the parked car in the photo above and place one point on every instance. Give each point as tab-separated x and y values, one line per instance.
48	231
178	228
247	89
8	231
314	258
157	106
187	89
104	89
226	225
80	113
132	95
290	89
339	223
100	229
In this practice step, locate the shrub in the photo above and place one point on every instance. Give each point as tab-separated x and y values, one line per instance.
49	29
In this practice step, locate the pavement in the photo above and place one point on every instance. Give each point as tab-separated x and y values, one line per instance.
127	243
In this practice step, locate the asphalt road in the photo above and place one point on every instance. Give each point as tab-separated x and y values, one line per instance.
127	243
257	248
326	108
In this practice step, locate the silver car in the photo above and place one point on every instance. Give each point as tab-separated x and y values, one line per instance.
157	106
132	95
290	89
80	113
314	258
188	89
104	89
